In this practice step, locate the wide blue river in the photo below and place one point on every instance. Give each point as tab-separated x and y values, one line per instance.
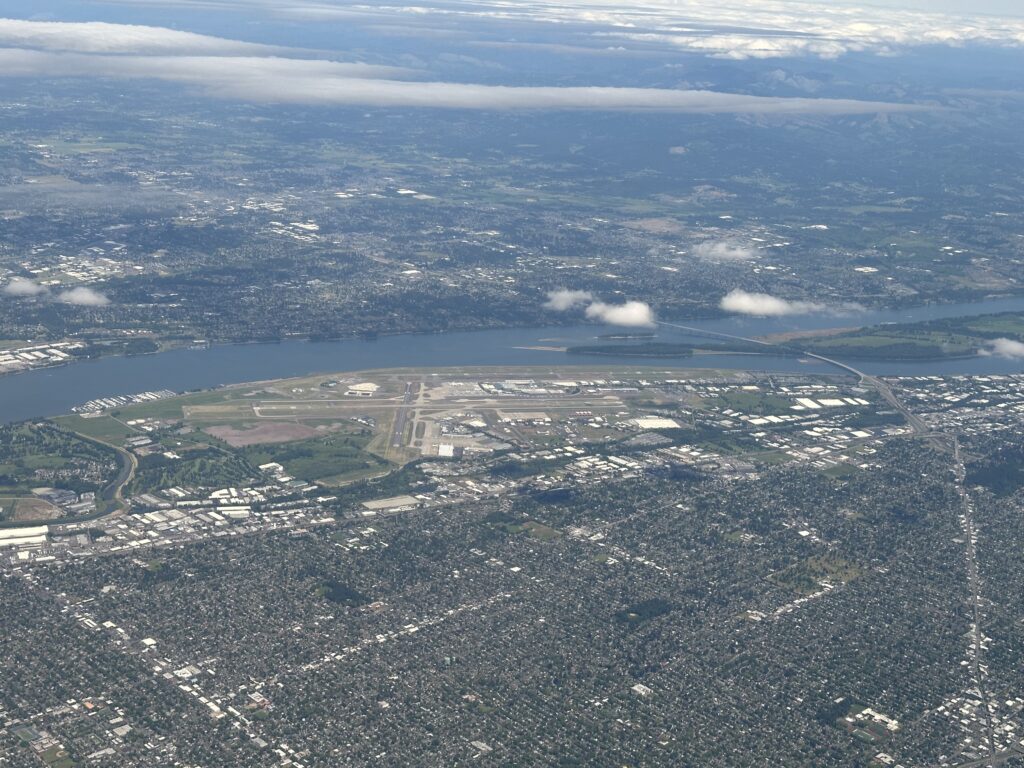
53	391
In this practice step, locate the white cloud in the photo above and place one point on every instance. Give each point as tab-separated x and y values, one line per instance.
740	47
733	29
748	29
217	73
394	93
724	250
730	29
565	299
101	37
632	313
245	71
799	82
83	297
307	81
80	296
22	286
766	305
1008	348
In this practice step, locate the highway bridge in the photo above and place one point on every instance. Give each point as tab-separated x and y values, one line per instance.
915	422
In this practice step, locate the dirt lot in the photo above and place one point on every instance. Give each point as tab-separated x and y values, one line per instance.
28	509
260	434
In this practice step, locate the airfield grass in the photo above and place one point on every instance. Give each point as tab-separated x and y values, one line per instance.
354	476
170	408
105	428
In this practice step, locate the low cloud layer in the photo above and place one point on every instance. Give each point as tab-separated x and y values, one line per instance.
101	37
765	305
231	69
630	314
275	80
1008	348
22	286
225	75
724	250
565	299
83	297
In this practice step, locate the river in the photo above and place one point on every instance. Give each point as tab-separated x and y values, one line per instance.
52	391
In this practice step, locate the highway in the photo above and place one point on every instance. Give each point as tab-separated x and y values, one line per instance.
915	422
114	491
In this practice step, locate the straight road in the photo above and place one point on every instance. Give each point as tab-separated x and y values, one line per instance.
974	587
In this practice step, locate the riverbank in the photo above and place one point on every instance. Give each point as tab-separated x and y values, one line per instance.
54	391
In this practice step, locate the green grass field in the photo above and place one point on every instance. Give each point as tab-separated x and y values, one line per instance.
753	402
948	337
1004	325
172	408
104	428
205	467
805	577
897	344
31	453
840	470
336	457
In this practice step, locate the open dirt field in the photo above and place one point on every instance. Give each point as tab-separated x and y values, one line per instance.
260	434
29	509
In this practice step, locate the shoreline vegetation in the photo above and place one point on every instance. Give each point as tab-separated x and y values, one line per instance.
958	338
954	338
